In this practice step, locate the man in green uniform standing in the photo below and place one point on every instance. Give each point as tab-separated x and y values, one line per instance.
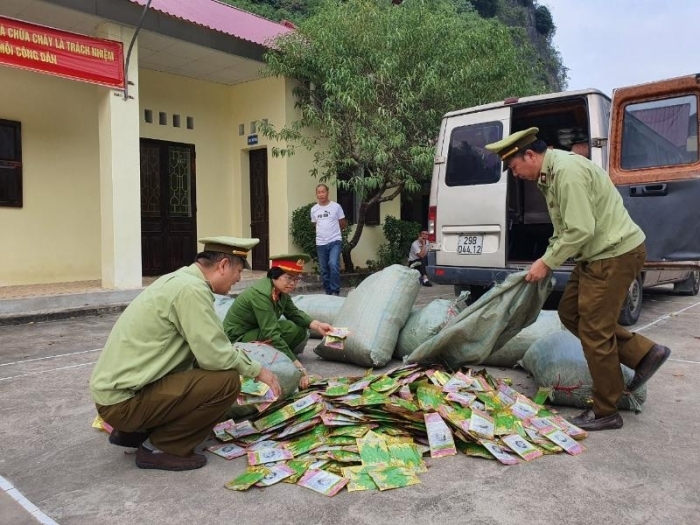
592	226
168	373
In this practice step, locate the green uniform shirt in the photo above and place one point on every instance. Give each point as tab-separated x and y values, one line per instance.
255	309
169	326
590	221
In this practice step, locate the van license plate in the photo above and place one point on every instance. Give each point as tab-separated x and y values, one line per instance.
470	244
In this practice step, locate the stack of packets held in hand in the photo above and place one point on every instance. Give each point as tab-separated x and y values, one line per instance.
336	338
255	393
372	432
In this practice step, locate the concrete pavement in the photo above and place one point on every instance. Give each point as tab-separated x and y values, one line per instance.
644	473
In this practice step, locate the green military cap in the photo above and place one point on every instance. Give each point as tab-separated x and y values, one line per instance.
291	263
512	144
230	245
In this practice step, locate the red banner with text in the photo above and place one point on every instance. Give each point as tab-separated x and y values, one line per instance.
60	53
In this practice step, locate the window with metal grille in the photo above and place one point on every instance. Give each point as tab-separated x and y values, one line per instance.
10	163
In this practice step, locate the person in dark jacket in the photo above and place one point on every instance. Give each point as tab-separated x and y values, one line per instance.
255	315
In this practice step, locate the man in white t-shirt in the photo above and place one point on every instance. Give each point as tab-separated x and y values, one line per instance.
330	220
417	256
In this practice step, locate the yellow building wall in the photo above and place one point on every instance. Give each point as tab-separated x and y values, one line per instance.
60	150
55	236
290	182
217	191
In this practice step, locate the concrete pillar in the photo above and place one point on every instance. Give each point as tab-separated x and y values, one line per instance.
120	183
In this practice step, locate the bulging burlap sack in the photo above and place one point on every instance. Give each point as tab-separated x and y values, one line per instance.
322	307
557	361
375	312
278	363
422	324
513	351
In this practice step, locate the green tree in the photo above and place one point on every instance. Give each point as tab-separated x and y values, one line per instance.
374	81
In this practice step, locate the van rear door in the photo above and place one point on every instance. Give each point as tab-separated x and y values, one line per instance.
470	221
655	163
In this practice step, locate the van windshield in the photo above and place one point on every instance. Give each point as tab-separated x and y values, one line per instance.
468	162
660	133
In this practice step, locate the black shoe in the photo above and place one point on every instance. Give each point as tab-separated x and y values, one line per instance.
427	283
587	421
146	458
128	439
648	366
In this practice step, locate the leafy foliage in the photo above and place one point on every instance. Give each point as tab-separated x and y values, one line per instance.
303	231
486	8
399	235
543	20
374	81
293	10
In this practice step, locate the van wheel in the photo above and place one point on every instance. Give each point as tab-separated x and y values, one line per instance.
690	286
632	306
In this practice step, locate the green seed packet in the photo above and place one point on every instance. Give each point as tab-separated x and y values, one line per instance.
406	455
299	467
344	456
352	431
393	477
254	388
476	450
369	397
504	423
359	478
490	401
304	444
247	479
373	450
334	391
384	384
391	431
293	409
430	397
543	394
341	440
456	419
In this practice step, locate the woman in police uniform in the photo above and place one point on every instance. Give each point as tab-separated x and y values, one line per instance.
255	315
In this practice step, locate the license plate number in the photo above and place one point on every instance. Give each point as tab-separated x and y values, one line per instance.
470	244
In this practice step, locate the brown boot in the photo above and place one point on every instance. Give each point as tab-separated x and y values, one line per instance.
587	421
648	366
146	458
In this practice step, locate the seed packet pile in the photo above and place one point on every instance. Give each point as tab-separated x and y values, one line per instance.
373	432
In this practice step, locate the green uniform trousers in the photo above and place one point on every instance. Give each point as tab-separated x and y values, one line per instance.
179	409
293	334
589	309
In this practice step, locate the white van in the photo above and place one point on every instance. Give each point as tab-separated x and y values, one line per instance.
484	223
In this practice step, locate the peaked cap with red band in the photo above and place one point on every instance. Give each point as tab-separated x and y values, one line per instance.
290	263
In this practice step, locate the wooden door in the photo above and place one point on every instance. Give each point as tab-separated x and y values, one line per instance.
168	206
259	203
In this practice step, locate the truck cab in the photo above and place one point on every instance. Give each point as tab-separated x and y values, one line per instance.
484	223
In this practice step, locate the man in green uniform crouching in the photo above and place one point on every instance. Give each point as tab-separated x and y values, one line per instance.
592	226
168	373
